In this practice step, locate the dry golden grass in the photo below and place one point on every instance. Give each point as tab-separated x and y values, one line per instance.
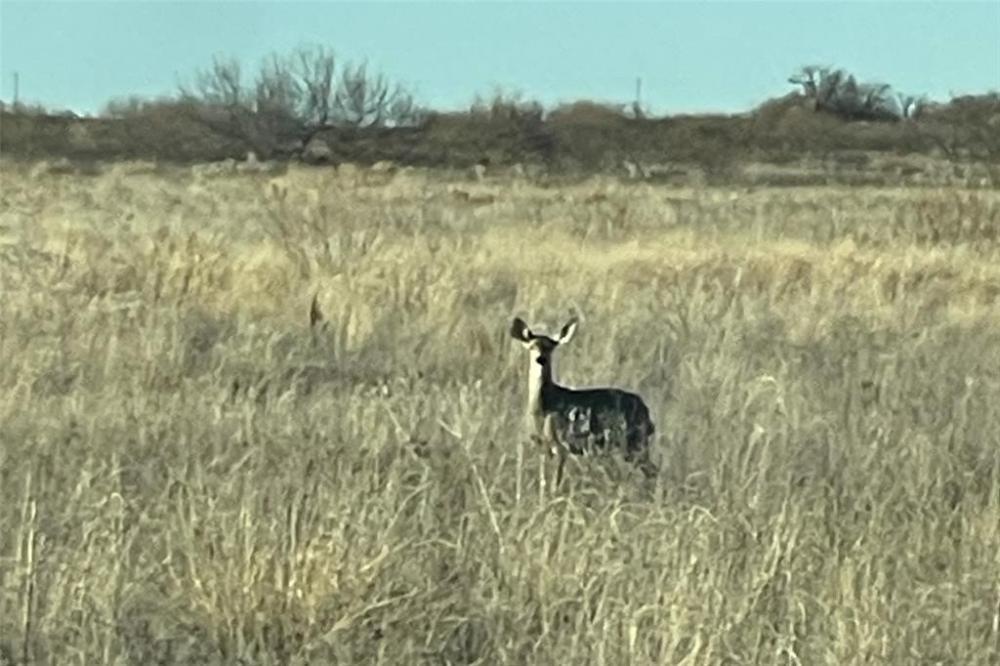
191	475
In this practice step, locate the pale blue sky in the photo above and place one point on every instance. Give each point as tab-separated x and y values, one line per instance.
692	56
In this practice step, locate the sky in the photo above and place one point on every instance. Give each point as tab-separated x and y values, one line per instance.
691	56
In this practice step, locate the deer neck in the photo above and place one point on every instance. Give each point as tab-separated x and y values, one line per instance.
539	380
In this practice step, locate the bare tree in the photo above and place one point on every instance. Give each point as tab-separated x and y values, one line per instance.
829	87
220	99
370	100
838	92
292	98
313	72
808	77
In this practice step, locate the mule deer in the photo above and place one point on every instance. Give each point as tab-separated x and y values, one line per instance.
580	420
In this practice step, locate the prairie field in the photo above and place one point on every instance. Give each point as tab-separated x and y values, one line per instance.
197	466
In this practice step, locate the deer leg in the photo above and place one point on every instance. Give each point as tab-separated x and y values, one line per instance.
559	469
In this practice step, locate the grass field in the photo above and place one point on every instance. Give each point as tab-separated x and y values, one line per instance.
191	474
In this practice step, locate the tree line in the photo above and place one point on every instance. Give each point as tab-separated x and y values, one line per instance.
308	104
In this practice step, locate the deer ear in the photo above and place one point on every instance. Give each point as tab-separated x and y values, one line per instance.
567	332
520	331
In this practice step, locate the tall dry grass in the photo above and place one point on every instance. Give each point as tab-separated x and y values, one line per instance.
192	475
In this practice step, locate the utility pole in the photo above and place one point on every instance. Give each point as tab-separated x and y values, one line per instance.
17	84
637	104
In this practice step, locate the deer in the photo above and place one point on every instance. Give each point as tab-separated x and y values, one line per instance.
580	421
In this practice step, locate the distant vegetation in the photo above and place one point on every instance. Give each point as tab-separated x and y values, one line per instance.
308	105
